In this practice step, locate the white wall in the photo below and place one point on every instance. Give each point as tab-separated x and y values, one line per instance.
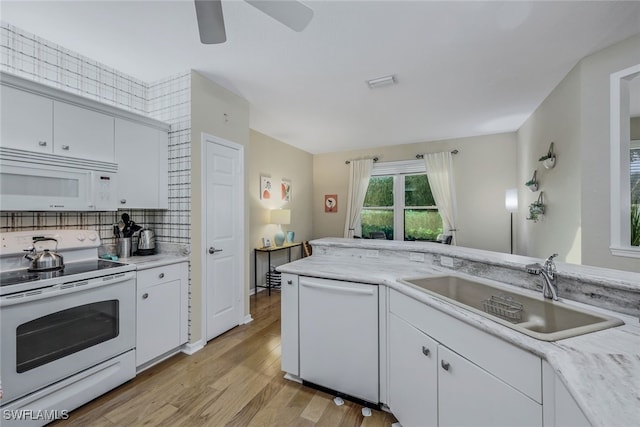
484	168
209	104
595	72
556	120
270	157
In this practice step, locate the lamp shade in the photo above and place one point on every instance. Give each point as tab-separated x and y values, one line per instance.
511	199
281	216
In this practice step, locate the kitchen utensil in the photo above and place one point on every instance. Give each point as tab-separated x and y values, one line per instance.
116	231
124	247
45	260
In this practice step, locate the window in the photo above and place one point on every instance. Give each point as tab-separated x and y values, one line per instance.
399	203
634	162
625	167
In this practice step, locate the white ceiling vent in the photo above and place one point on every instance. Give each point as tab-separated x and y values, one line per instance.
382	81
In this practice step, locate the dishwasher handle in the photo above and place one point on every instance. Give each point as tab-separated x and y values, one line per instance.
337	289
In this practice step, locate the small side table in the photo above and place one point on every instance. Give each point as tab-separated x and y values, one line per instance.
269	250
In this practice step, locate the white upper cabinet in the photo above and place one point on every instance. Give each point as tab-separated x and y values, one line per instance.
82	133
142	157
27	120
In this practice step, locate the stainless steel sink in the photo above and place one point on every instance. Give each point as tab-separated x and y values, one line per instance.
537	317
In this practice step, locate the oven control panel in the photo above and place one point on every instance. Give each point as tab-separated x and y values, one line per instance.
14	243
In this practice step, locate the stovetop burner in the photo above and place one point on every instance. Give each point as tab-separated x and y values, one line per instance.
9	278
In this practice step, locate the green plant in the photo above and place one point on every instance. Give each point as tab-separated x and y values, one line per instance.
530	182
635	223
545	157
535	210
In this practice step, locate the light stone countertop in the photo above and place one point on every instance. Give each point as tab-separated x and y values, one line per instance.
151	261
601	370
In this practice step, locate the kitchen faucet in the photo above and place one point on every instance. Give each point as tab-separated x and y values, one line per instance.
548	273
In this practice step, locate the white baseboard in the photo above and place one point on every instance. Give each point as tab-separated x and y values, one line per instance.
247	319
191	348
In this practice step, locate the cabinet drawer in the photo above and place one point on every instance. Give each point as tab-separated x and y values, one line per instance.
166	273
517	367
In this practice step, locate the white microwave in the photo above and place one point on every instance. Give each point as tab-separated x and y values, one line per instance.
44	182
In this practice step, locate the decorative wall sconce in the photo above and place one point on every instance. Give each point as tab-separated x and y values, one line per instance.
549	160
532	184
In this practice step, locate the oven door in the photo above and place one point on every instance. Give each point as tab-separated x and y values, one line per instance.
49	334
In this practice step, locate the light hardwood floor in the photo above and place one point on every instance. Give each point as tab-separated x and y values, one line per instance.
234	381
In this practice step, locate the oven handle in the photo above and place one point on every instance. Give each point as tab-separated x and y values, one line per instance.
66	288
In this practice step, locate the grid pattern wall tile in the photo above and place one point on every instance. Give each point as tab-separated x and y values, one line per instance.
31	57
34	58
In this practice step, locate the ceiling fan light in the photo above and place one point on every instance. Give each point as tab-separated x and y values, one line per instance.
382	81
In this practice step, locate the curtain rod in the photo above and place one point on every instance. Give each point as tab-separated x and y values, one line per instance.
375	159
421	156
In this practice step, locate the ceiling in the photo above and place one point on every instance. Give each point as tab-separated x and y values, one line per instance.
463	68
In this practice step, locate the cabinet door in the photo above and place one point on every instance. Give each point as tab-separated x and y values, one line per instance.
413	375
142	157
470	396
27	120
290	361
158	328
82	133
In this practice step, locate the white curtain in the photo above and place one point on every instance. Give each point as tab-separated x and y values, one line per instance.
440	173
359	174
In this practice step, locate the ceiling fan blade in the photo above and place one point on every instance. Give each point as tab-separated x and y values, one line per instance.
291	13
210	21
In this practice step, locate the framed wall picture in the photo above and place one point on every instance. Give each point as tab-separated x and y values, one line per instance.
285	190
265	188
331	203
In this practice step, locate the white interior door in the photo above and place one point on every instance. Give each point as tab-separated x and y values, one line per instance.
224	234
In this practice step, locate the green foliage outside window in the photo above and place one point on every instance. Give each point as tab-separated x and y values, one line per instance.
420	223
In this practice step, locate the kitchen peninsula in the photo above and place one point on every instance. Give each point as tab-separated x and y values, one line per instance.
592	378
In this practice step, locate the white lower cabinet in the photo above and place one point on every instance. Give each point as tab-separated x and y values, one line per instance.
289	357
432	385
413	374
162	311
470	396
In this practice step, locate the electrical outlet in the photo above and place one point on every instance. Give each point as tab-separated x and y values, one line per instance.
416	256
371	253
446	261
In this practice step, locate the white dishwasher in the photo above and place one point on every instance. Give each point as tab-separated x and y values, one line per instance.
339	336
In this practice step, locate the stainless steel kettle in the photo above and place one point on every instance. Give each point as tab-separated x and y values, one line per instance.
146	242
46	260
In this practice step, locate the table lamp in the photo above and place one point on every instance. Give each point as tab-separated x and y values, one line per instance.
280	216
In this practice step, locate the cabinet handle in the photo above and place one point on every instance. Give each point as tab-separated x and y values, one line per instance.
426	351
161	275
289	282
145	295
65	147
123	201
445	365
42	143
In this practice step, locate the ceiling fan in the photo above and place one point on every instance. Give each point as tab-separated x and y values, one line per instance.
291	13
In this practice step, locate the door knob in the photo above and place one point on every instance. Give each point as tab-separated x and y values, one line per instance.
213	250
